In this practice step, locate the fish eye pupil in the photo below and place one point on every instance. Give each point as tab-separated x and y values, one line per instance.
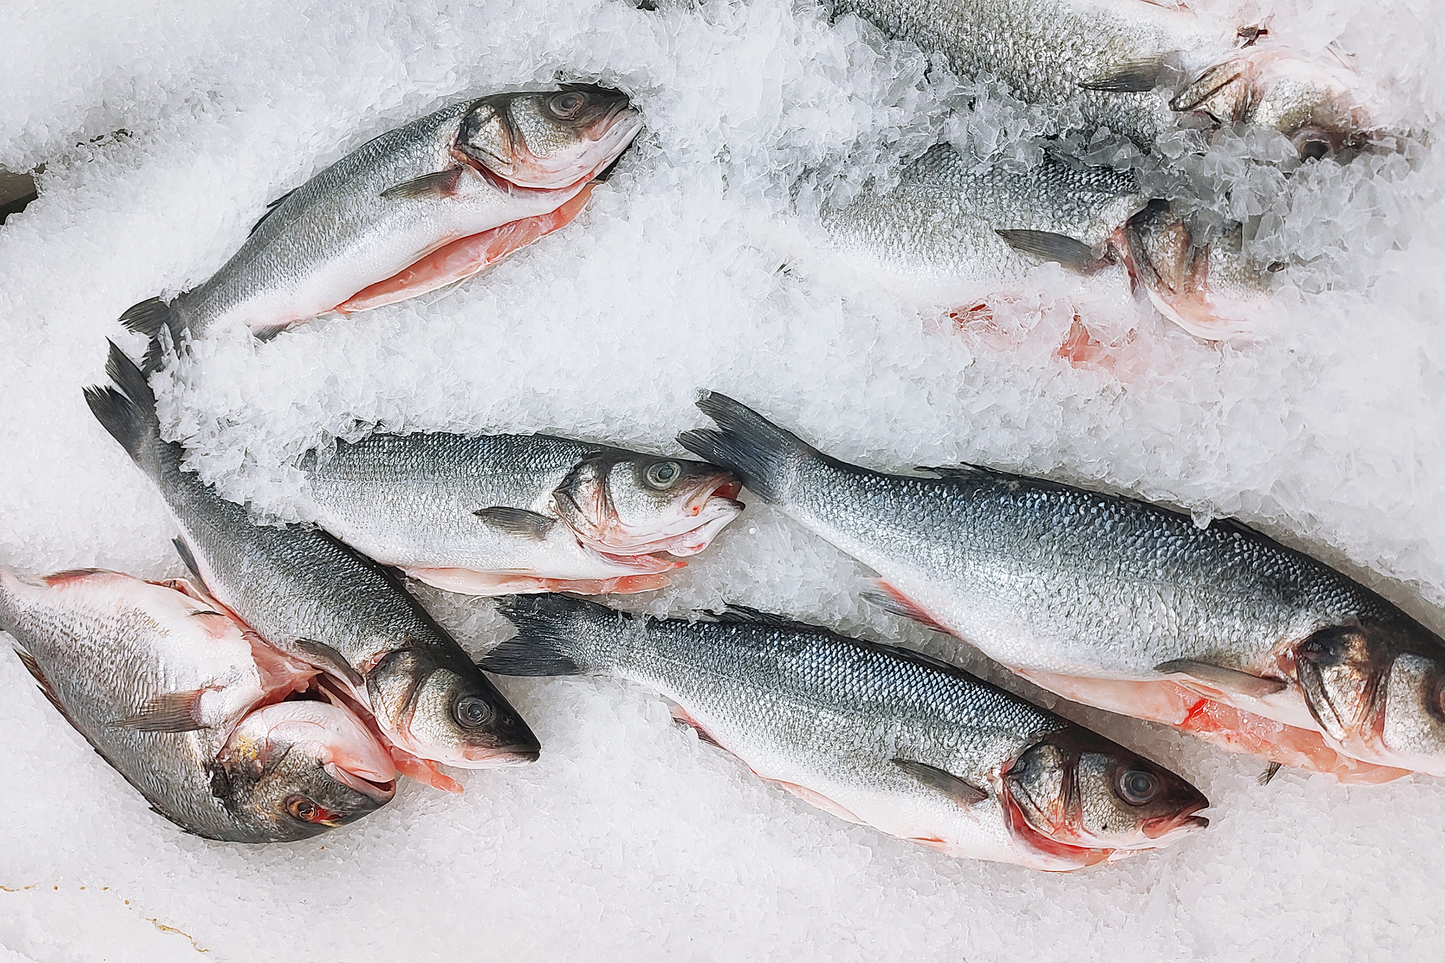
473	711
663	474
1138	787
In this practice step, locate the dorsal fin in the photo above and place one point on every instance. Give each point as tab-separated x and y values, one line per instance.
271	209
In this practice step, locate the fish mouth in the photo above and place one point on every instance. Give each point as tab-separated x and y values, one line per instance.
1183	823
696	522
379	791
500	758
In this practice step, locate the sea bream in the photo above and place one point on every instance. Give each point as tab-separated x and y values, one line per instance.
412	210
1123	605
980	230
872	733
498	514
225	736
1134	66
320	601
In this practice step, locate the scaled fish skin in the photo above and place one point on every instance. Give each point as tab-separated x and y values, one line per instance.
874	734
414	209
1124	605
319	601
947	221
1134	65
493	514
166	688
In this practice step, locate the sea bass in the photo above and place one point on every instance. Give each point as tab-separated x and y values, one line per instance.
948	221
187	704
1134	65
321	602
412	210
874	734
495	514
1124	605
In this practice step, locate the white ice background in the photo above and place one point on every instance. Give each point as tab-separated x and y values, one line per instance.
165	128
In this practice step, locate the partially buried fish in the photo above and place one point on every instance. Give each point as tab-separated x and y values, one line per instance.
1134	66
495	514
874	734
412	210
224	735
949	221
321	602
1124	605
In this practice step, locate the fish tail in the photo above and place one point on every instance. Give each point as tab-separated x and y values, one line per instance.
127	409
556	635
763	455
161	325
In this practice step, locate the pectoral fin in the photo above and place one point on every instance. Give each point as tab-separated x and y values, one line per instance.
184	551
516	521
169	712
1228	681
439	184
961	791
1070	252
1129	77
327	659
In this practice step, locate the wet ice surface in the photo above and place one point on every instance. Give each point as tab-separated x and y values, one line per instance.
630	836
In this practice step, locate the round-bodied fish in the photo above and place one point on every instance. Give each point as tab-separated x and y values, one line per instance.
874	734
318	600
498	514
1123	605
412	210
193	708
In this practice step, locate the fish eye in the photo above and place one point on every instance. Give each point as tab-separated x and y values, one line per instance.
567	104
1137	787
303	809
1436	702
663	474
472	712
1322	648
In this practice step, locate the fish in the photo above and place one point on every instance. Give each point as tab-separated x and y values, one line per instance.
983	229
415	209
223	735
1121	604
322	602
1136	66
499	514
873	733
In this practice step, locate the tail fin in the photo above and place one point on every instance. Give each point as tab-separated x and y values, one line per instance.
557	635
763	455
128	411
162	328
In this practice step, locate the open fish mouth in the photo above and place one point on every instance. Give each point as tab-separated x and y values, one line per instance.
1182	823
691	529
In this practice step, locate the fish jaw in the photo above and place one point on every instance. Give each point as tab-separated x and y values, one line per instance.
342	743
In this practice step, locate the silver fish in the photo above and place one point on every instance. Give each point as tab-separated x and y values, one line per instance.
1124	605
948	221
495	514
1134	65
874	734
166	688
412	210
318	600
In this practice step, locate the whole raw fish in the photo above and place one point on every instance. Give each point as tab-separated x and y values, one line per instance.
186	704
494	514
982	229
412	210
1124	605
874	734
321	602
1133	65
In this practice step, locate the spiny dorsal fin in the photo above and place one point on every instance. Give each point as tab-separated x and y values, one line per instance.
733	614
168	712
960	790
516	521
271	209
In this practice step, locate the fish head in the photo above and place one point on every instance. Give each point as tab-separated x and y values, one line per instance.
1081	791
1378	690
294	769
1319	106
621	503
1210	288
549	140
445	713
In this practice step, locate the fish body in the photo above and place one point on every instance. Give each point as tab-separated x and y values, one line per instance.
873	734
491	514
321	602
170	692
414	209
1131	65
1124	605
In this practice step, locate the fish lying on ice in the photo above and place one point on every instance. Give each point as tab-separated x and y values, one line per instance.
186	704
872	733
412	210
947	221
1123	605
321	602
1134	66
497	514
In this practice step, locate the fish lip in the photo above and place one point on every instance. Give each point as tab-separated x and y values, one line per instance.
501	758
1181	823
379	792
